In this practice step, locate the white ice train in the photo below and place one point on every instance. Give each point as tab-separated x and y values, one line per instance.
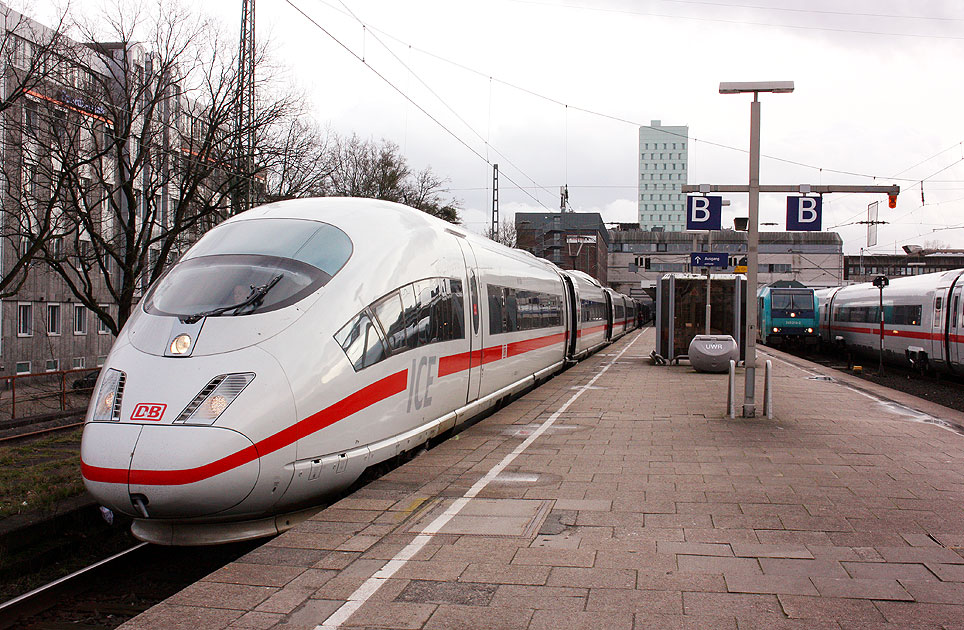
923	319
301	342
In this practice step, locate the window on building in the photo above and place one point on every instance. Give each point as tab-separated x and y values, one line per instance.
78	363
24	319
53	319
23	367
102	328
30	117
52	365
80	319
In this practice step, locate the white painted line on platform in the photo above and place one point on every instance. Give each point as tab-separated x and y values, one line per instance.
364	592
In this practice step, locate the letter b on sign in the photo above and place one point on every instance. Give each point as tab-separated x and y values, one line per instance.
704	213
804	214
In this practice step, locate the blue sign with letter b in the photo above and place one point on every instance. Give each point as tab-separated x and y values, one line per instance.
704	213
804	214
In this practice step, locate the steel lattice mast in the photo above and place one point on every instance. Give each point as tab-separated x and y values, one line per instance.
244	124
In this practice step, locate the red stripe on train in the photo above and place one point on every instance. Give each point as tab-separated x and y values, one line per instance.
363	398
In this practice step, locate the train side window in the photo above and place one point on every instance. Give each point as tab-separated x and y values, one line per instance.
906	315
453	311
427	322
410	310
496	308
474	298
390	315
510	314
361	342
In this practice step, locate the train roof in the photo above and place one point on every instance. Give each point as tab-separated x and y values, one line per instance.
360	217
905	285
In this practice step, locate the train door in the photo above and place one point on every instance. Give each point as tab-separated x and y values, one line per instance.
474	323
610	315
954	329
937	325
572	315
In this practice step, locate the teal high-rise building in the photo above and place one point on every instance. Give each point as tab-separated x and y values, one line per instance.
663	160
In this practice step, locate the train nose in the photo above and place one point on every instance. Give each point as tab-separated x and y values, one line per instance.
173	471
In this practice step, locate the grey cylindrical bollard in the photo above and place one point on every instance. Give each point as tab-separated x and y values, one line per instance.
731	391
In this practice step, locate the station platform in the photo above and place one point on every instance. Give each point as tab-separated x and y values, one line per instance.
619	495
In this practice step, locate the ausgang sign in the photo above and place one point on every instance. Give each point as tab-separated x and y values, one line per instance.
804	214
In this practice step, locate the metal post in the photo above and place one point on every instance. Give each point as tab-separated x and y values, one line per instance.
709	270
768	391
731	391
880	368
495	202
752	260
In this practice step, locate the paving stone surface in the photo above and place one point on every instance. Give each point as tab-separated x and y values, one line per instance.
642	506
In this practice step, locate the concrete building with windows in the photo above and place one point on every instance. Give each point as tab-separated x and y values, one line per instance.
663	163
866	267
43	328
64	190
639	257
572	240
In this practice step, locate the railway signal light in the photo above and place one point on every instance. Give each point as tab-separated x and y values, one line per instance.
891	201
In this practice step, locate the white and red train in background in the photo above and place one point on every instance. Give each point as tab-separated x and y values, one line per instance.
923	319
299	343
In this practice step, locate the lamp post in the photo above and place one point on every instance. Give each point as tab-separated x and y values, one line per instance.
753	231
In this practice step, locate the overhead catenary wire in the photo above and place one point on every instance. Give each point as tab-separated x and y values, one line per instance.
740	22
485	140
400	92
813	11
612	117
492	79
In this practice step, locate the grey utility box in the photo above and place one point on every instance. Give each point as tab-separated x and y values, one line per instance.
712	353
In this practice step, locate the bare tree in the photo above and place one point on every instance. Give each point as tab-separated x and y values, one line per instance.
32	56
505	234
294	158
363	168
147	164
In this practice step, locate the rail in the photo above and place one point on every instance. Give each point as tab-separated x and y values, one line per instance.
47	596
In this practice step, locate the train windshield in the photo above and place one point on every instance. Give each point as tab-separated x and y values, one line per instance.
250	267
787	301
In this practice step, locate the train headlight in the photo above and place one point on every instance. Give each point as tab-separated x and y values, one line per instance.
217	404
775	329
810	330
181	344
108	400
793	314
216	396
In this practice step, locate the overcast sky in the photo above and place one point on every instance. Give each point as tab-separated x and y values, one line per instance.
554	91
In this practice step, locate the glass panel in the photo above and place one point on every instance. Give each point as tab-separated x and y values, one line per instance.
361	342
200	286
320	245
391	316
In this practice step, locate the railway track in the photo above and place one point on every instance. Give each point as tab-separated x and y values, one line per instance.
33	433
41	599
108	592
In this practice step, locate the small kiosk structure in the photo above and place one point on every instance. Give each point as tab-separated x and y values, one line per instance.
681	311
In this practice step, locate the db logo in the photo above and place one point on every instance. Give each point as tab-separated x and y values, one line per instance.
148	411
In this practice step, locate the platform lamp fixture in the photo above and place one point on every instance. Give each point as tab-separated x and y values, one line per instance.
753	229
